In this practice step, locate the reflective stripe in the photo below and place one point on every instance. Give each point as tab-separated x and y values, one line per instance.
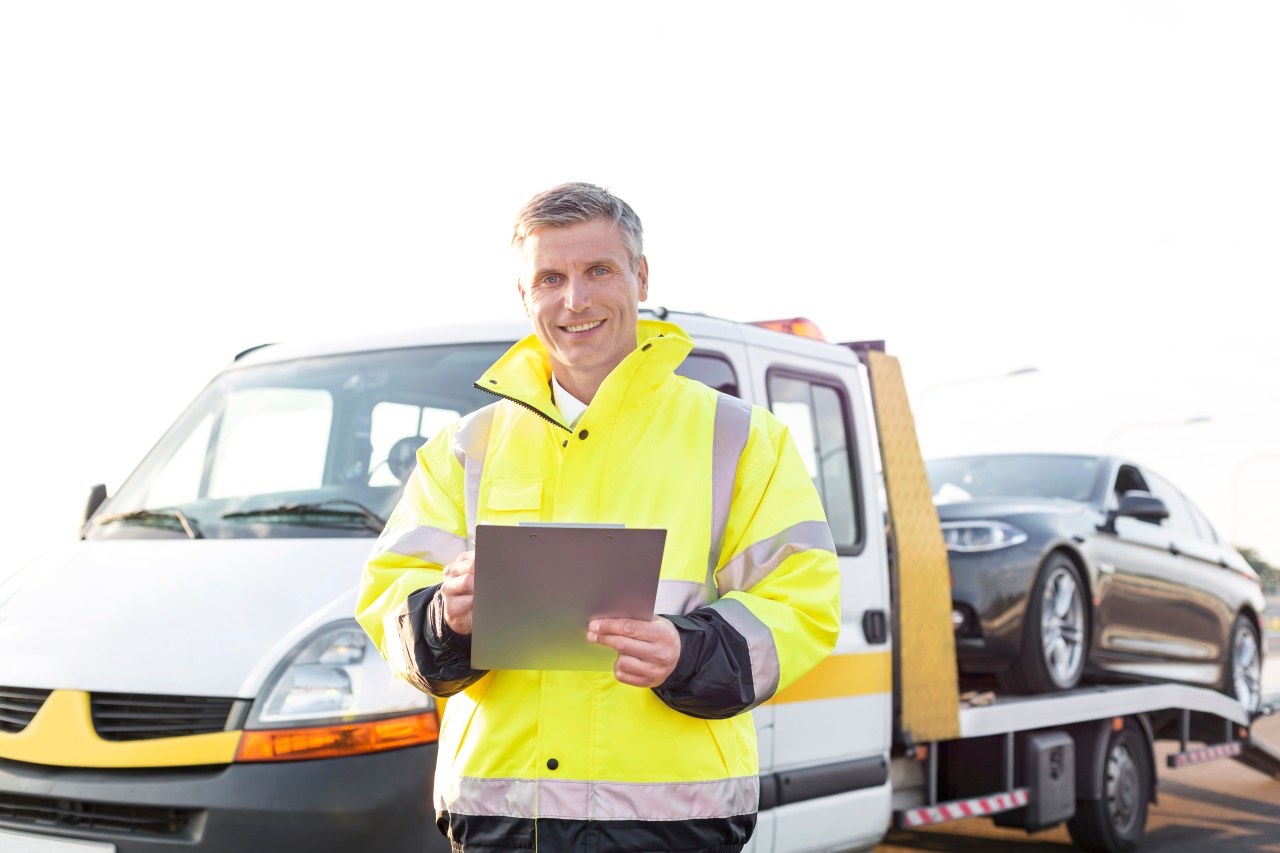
469	445
577	800
732	427
681	597
757	561
393	643
765	669
429	544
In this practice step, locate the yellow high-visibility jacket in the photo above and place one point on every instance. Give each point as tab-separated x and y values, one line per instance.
576	760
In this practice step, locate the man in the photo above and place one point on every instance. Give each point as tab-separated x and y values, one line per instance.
594	426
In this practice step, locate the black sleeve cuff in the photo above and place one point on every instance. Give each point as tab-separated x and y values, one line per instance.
439	661
712	679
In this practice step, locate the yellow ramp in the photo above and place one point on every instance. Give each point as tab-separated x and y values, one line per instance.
926	640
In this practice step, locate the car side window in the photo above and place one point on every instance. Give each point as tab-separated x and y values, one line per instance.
712	371
1179	514
1128	479
816	414
1206	529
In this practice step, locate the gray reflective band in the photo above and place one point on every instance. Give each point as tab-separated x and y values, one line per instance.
469	445
764	654
754	564
429	544
733	426
681	597
577	800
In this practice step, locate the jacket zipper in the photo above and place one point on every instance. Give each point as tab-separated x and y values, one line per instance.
522	404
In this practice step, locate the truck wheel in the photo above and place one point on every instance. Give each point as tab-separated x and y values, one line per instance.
1056	642
1116	821
1242	669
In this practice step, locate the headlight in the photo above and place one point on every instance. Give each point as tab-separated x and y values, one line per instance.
333	675
980	535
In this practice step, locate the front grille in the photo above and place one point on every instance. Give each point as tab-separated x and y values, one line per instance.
141	716
54	812
18	705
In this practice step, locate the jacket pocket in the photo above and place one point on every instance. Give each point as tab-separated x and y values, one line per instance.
513	501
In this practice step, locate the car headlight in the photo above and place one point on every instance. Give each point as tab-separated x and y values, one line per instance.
334	675
980	535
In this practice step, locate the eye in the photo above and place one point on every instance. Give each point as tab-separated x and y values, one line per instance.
600	271
552	279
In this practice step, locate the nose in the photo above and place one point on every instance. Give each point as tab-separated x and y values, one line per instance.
577	294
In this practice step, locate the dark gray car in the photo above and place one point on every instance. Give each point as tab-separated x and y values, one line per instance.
1066	567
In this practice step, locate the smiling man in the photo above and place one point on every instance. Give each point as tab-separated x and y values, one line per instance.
595	427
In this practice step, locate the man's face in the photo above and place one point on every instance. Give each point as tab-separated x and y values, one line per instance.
580	290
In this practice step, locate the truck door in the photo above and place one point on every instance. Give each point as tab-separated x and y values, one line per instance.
723	365
832	728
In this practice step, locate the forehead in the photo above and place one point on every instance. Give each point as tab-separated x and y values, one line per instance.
582	242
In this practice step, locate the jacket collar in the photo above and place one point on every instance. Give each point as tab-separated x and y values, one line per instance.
523	373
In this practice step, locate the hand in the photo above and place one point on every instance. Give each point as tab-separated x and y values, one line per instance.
647	651
457	588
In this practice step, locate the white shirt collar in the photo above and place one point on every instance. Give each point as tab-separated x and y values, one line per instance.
571	408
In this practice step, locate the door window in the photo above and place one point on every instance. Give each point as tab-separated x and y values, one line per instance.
816	414
712	371
1179	519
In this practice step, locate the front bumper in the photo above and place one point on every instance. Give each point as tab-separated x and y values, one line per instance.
377	802
994	586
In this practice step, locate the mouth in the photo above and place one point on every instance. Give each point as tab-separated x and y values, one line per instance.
582	327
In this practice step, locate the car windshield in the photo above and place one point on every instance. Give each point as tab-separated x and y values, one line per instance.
965	478
315	447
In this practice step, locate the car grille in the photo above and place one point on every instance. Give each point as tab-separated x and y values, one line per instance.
18	705
78	814
141	716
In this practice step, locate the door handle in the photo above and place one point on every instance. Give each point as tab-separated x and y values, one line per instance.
1173	549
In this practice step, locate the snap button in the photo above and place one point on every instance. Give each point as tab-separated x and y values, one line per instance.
564	443
583	435
493	382
552	764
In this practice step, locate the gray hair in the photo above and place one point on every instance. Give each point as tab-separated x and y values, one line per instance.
576	202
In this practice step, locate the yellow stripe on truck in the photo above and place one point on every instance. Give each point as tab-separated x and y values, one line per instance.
842	675
62	734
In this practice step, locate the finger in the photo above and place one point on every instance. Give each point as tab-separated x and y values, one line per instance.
628	646
637	628
460	585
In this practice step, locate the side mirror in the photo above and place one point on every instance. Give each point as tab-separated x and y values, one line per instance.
97	494
1143	506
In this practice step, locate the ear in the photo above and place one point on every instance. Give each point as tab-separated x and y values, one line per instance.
643	274
524	297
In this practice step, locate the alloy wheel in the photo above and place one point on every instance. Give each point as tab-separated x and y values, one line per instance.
1246	667
1062	625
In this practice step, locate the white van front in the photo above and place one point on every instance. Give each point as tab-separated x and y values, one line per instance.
188	675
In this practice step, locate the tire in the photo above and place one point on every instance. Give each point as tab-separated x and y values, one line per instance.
1242	665
1055	628
1116	822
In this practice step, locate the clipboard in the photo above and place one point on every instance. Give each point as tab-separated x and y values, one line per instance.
538	585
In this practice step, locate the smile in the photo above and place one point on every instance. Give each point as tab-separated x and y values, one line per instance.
584	327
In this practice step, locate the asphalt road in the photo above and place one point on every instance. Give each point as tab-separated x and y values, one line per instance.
1222	806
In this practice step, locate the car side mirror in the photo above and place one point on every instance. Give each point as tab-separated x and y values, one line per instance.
97	494
1143	506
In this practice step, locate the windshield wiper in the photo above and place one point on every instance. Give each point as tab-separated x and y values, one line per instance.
319	510
189	526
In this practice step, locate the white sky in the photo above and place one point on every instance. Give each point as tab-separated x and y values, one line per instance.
1092	189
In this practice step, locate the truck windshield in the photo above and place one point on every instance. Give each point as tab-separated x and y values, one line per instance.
316	447
965	478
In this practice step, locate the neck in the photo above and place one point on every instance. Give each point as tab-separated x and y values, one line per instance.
583	386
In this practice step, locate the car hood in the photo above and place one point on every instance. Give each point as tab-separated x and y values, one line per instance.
194	618
1005	507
